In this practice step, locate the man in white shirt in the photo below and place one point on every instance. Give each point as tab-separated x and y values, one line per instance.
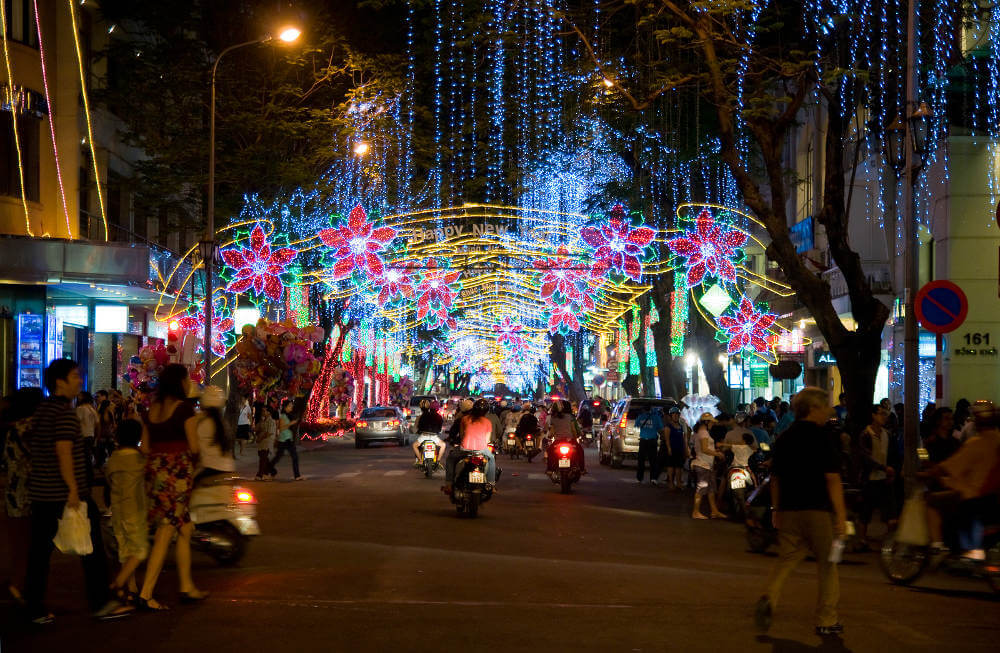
877	475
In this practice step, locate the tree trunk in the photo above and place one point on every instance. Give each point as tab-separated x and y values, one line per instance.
708	351
858	359
557	352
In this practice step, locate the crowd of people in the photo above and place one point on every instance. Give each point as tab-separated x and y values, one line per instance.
149	453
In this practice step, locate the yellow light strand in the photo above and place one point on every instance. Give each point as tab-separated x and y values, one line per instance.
86	113
13	116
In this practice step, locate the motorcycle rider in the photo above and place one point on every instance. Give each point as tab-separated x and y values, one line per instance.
563	427
527	423
475	431
429	423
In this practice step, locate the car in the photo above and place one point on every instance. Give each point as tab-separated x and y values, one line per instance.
381	424
620	437
412	411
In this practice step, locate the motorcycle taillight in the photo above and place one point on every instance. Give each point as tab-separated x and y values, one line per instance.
564	449
477	460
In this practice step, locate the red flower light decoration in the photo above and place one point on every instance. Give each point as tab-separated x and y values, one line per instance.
258	267
509	334
395	283
560	277
436	292
748	328
356	245
709	249
563	319
617	245
221	326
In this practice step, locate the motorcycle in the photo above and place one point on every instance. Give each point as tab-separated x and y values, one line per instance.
513	447
904	562
567	470
531	446
761	533
428	454
740	481
224	515
470	488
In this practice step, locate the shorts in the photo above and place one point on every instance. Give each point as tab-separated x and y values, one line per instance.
706	480
243	432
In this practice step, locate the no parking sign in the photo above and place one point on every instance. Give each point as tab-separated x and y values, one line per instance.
941	307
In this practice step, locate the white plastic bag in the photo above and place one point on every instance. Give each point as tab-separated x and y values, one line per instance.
73	536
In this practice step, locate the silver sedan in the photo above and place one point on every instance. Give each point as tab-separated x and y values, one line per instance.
381	424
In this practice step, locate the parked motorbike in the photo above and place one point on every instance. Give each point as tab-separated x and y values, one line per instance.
224	516
428	454
470	488
567	469
761	533
740	482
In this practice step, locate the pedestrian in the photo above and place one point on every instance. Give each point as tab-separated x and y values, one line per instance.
877	474
735	434
17	458
215	447
126	474
243	424
703	465
89	426
937	438
170	440
805	488
59	481
286	440
265	434
841	408
676	449
756	425
651	427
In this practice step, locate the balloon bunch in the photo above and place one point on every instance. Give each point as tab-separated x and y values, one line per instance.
144	368
277	356
401	391
341	386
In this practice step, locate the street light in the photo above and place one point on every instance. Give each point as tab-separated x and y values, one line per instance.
920	126
896	140
288	34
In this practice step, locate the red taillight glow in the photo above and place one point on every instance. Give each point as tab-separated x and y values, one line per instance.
564	449
244	496
362	424
527	437
596	403
394	422
477	460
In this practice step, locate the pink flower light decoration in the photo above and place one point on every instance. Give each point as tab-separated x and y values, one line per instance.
258	267
436	292
709	249
356	245
617	245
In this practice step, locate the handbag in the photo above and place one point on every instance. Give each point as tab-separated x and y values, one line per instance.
913	522
73	536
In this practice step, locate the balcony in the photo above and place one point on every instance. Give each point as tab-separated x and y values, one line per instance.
878	277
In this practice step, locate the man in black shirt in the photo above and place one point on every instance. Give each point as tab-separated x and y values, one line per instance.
805	487
59	480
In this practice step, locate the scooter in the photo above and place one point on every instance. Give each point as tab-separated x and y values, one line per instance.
531	446
904	562
428	455
513	447
740	481
224	515
470	488
761	533
567	470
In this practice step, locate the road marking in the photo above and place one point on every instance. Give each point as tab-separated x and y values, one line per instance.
395	472
347	474
537	477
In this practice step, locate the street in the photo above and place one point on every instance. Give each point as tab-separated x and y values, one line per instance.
367	555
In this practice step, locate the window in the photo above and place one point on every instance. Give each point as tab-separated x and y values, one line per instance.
10	172
21	22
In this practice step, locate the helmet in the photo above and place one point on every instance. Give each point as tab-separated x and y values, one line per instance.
481	406
213	397
466	405
425	404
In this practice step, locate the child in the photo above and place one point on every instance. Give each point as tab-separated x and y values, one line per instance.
125	472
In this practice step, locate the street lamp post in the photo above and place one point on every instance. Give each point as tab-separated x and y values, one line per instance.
207	245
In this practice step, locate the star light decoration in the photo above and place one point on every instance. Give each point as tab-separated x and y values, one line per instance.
709	250
617	245
259	267
748	328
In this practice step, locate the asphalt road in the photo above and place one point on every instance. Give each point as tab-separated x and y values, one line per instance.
367	555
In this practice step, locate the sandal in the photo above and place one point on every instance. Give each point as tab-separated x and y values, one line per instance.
150	605
113	609
191	597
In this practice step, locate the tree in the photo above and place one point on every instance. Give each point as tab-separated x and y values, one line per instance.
756	68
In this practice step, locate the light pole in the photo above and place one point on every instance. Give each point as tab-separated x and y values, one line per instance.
288	34
907	142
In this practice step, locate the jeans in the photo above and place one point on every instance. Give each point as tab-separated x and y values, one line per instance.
647	451
803	531
456	453
281	448
44	524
